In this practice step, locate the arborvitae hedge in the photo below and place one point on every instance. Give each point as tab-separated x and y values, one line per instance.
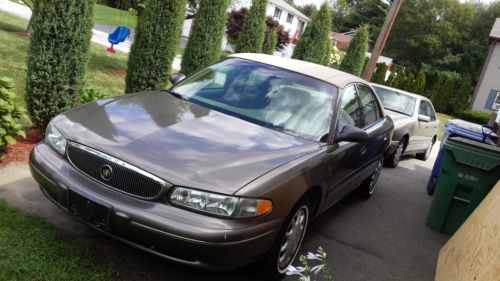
400	79
420	83
409	83
355	54
204	44
158	34
270	42
313	43
252	33
462	97
58	57
379	74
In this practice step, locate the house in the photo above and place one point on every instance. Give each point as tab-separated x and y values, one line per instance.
486	95
340	40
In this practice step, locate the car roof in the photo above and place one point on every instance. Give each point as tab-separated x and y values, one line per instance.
399	91
328	74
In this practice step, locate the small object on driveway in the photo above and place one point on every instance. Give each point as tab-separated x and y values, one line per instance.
415	123
459	128
469	170
225	168
118	36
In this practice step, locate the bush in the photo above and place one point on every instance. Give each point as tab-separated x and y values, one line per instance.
11	115
90	95
158	36
252	32
356	52
420	83
379	74
204	44
477	117
312	46
460	101
270	42
58	57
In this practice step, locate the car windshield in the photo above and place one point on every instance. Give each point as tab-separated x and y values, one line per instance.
396	101
264	95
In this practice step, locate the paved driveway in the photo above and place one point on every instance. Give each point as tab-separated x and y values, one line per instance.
384	238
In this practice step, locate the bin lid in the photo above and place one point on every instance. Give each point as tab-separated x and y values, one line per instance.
461	128
473	153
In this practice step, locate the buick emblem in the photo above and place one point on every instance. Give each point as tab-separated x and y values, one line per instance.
106	172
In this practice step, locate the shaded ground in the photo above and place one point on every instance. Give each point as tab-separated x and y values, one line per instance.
384	238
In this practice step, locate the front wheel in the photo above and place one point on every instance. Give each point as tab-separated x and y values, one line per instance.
393	160
367	187
274	264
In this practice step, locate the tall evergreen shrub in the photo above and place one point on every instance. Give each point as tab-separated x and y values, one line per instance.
252	34
462	97
355	54
158	35
420	83
204	44
58	57
379	73
312	46
270	42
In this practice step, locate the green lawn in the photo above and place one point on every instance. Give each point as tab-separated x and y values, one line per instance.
443	118
106	15
112	16
13	52
32	249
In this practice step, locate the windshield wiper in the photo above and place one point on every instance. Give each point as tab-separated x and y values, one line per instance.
177	95
394	110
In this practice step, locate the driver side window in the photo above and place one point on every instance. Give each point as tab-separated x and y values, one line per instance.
350	110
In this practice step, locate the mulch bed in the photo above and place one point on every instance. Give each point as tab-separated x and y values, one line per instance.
23	34
20	151
118	71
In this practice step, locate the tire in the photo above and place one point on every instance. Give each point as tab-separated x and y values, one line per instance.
367	187
425	155
273	265
392	160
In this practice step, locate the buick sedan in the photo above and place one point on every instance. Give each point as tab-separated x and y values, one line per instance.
223	169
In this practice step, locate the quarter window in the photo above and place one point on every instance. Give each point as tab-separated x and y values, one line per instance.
350	111
277	13
369	105
289	18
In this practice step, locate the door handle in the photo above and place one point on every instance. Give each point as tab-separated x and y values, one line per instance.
362	150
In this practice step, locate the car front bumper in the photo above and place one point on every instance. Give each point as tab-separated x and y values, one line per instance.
155	227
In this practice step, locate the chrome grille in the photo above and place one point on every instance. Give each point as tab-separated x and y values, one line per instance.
125	177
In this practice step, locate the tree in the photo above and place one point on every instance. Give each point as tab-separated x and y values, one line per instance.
379	74
371	13
392	77
235	21
158	35
441	96
204	44
270	43
252	33
460	101
58	57
356	52
400	79
409	83
313	44
420	83
308	9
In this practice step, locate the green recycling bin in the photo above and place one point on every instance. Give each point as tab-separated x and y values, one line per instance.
468	172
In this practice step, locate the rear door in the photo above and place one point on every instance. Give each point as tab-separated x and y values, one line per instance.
427	129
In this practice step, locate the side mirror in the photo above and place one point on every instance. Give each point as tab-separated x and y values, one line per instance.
176	78
424	118
353	134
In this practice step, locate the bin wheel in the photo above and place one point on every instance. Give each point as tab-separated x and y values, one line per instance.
431	186
425	155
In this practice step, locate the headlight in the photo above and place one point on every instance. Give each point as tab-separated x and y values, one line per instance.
55	139
219	205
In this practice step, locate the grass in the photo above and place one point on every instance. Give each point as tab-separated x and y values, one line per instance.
112	16
443	118
105	15
15	48
32	249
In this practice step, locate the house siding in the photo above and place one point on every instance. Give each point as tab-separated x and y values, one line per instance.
490	81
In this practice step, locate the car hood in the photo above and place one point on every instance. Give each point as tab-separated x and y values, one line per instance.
181	142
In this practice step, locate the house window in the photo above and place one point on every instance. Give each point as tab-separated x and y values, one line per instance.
277	12
289	18
496	102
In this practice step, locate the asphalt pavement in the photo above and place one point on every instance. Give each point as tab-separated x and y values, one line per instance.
383	238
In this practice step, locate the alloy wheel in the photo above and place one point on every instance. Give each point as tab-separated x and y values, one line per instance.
293	238
375	176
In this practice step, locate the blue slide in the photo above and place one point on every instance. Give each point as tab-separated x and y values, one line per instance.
118	36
